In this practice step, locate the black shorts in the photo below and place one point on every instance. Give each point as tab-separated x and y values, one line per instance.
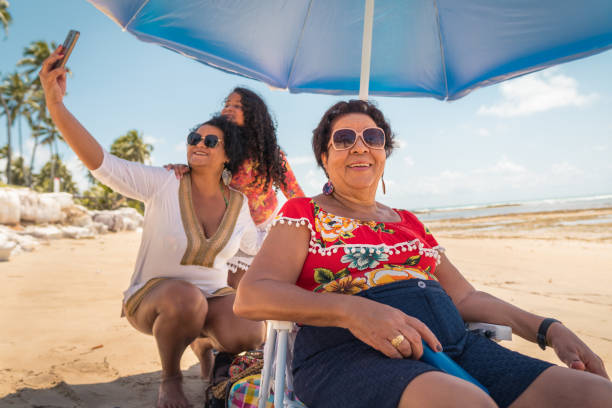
332	368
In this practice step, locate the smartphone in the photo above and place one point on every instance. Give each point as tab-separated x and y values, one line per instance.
67	47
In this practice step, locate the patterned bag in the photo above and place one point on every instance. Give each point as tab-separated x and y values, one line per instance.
244	393
227	372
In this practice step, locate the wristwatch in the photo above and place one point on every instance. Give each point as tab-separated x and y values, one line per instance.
543	329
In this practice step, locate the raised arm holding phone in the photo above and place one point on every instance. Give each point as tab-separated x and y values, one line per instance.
178	292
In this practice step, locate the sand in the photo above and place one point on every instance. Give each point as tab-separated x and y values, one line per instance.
63	344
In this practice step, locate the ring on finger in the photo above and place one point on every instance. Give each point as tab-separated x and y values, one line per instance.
397	340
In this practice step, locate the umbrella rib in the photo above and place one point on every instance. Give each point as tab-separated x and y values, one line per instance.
435	3
297	49
144	3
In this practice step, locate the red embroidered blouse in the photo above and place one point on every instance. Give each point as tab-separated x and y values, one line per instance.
348	255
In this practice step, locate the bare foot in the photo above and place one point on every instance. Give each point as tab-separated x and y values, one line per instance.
202	348
171	393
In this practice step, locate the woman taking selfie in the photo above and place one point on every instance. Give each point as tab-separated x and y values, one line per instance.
178	291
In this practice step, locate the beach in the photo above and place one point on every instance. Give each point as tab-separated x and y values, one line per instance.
63	343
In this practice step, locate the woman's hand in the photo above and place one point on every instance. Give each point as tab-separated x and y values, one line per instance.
53	81
573	352
377	325
179	169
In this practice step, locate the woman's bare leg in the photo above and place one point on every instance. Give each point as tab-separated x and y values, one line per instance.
229	332
174	312
435	389
559	387
202	348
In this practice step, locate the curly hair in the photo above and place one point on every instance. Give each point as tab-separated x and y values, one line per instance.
259	131
232	143
321	134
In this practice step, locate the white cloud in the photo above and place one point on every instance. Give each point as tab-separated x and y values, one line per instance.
566	169
504	165
78	171
483	132
600	148
399	143
408	161
181	147
537	92
501	176
300	160
313	182
42	154
152	140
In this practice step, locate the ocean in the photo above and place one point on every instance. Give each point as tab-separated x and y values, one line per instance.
517	207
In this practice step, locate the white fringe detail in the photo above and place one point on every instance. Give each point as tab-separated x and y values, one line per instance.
315	247
238	263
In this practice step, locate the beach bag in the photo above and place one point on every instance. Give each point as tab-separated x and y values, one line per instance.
231	373
244	393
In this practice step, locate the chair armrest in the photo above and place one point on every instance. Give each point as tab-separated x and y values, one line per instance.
493	331
280	325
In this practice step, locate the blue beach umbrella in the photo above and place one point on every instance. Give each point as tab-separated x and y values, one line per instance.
439	48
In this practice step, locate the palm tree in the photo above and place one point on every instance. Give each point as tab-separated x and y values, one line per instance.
34	55
6	111
5	16
50	136
55	167
18	92
36	133
132	147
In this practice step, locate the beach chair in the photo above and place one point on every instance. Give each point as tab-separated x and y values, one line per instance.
278	352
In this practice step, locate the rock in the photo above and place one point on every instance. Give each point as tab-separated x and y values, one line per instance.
130	224
111	219
49	209
98	228
77	232
6	248
77	215
10	207
132	214
26	242
63	199
46	232
29	202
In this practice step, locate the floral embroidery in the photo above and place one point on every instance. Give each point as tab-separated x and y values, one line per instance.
362	258
250	182
334	228
339	282
393	273
347	285
348	255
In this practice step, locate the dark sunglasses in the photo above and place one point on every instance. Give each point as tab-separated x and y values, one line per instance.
210	141
343	139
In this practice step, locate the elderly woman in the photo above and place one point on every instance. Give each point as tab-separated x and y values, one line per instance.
368	283
192	227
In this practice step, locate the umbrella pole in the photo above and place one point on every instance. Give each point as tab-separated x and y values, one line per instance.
366	50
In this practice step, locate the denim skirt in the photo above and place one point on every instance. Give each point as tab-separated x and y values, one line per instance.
332	368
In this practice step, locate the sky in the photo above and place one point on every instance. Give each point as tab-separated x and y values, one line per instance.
543	135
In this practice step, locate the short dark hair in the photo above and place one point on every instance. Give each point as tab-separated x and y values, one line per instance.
234	149
322	133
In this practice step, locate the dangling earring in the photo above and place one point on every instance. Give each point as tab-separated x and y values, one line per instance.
328	188
383	184
226	176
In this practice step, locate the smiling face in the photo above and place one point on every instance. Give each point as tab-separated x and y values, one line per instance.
356	168
233	109
207	157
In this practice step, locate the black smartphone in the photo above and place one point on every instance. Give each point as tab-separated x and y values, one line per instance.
67	47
